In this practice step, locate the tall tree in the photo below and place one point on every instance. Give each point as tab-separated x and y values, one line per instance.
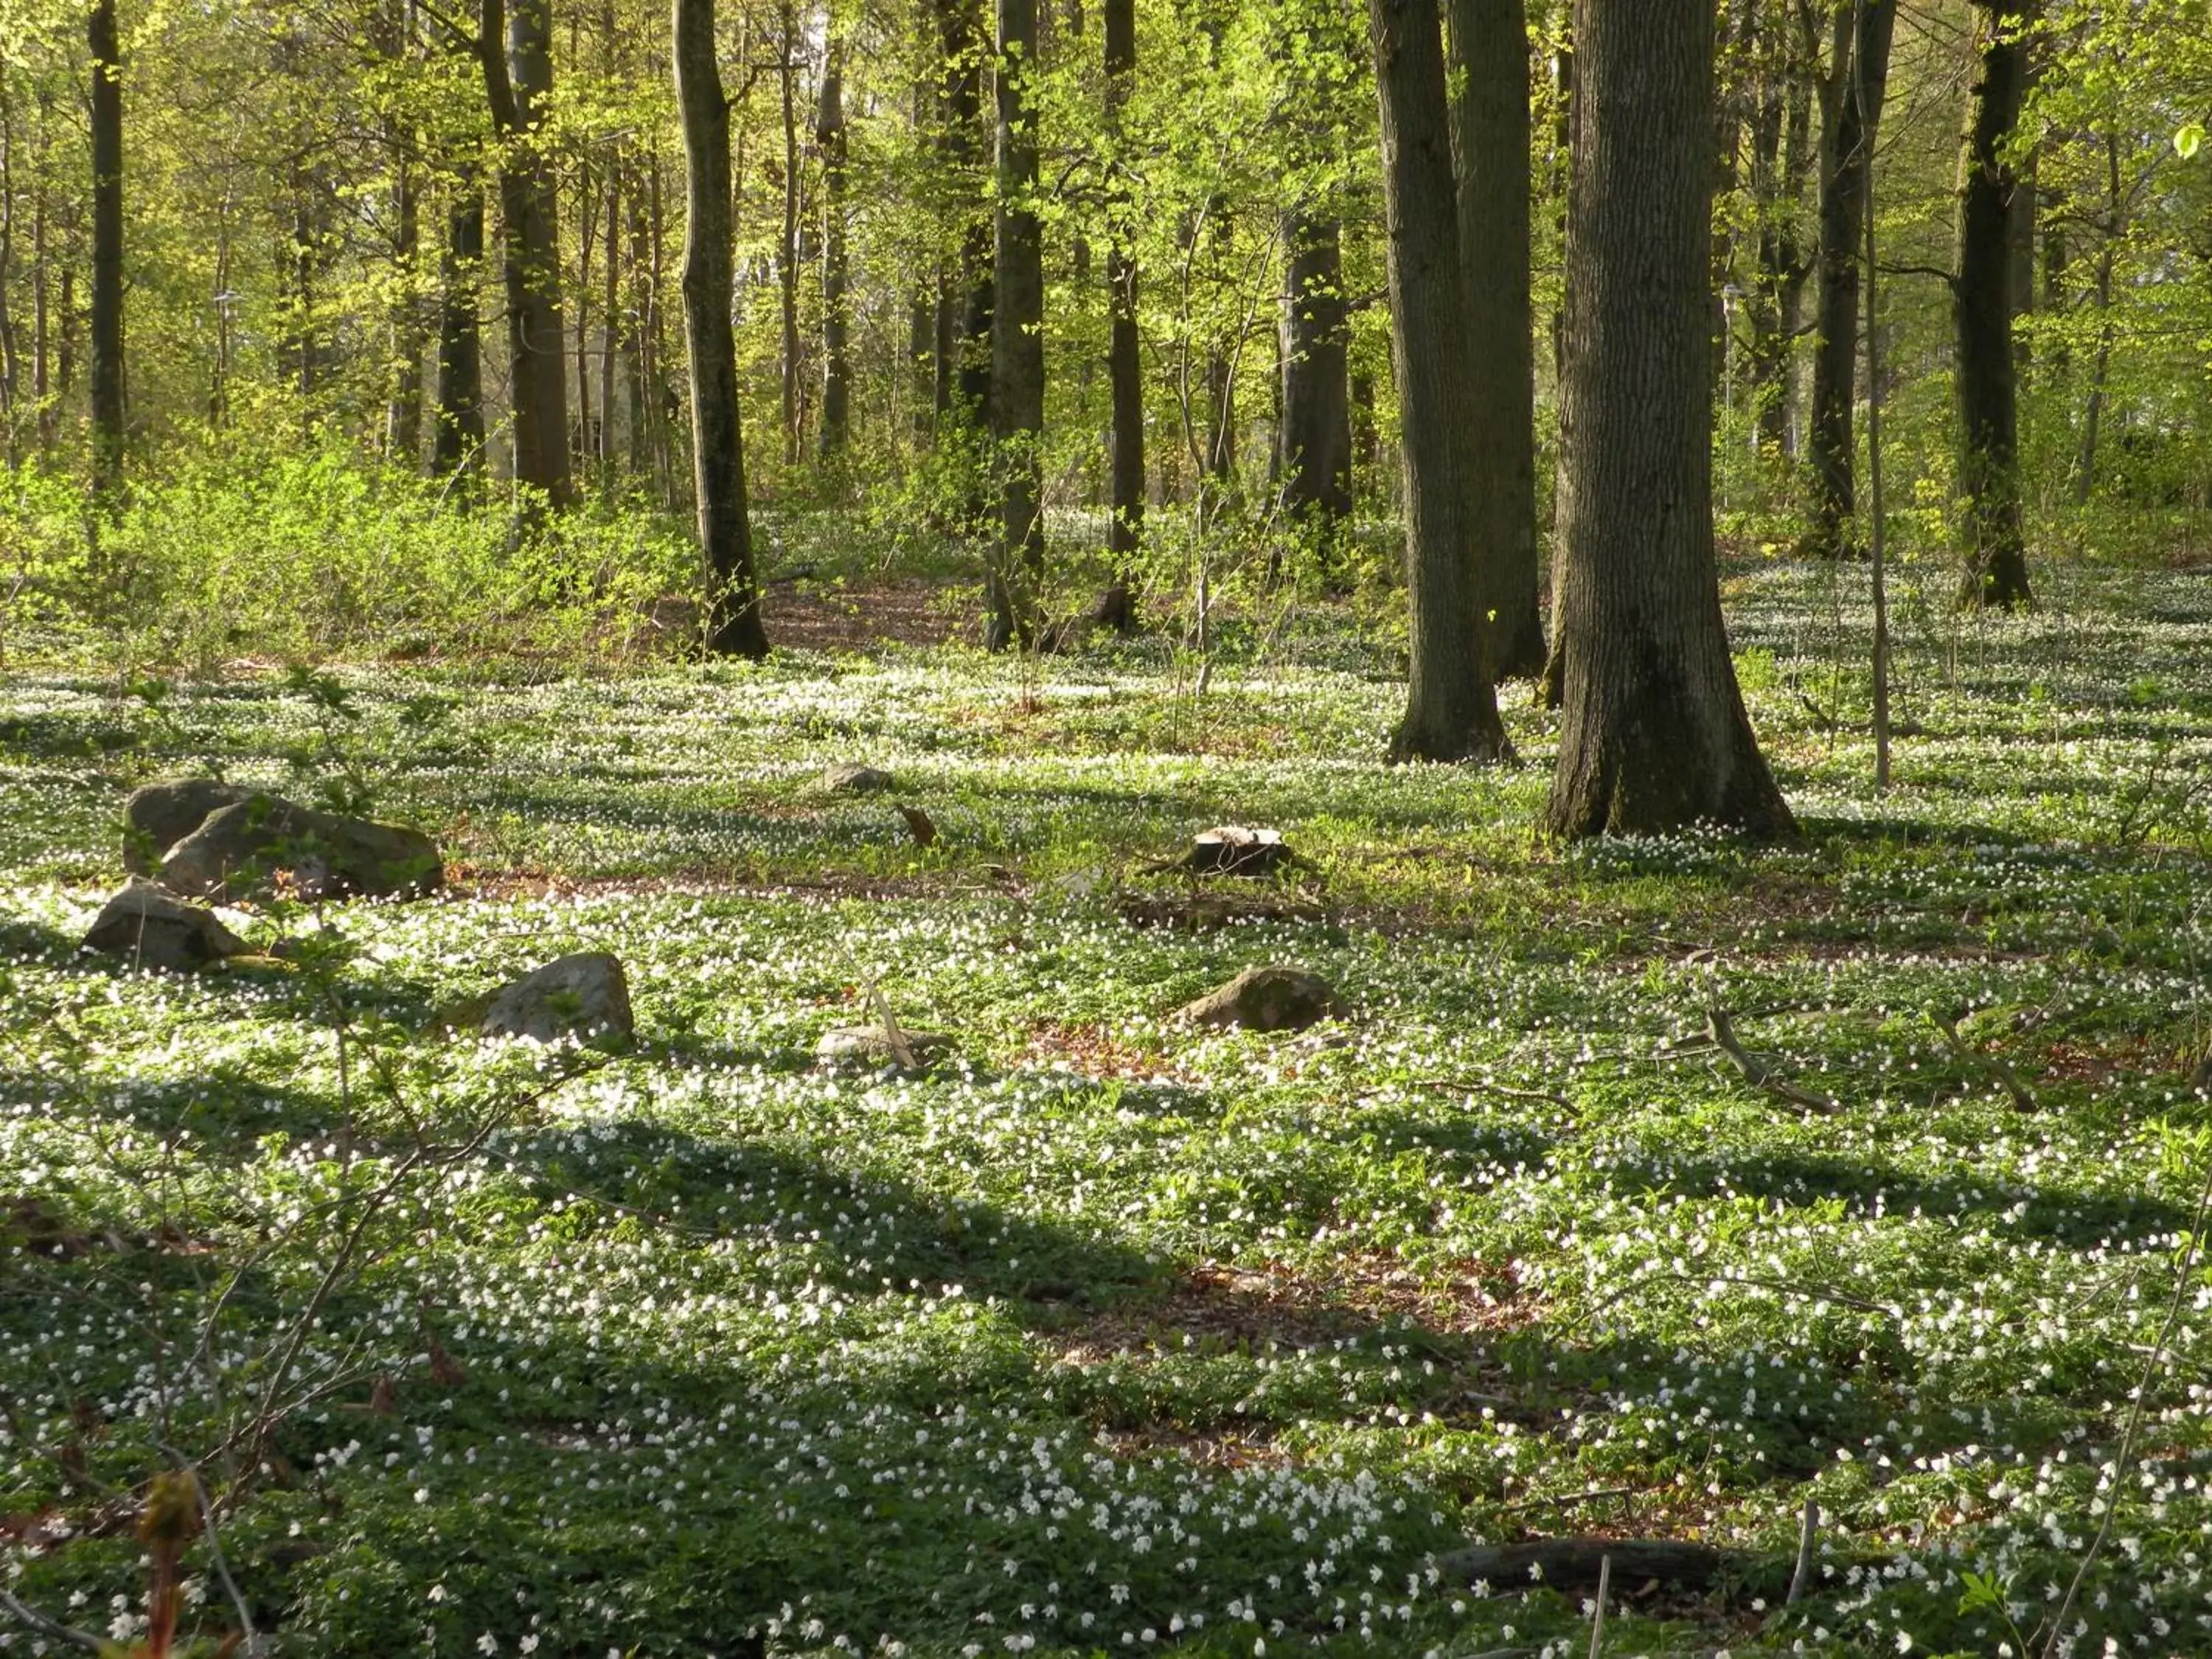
1653	731
1124	369
1017	338
718	458
1490	160
1316	440
1451	707
106	373
1857	78
836	301
1982	307
516	52
458	439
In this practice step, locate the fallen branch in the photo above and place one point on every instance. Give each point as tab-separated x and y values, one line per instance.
1995	1065
1579	1563
45	1626
1759	1073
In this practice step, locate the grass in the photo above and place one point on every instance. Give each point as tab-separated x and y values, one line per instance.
1109	1333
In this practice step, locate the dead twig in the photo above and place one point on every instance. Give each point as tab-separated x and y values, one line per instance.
1759	1072
1997	1065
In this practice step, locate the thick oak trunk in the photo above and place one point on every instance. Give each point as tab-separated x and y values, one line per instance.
1982	308
836	303
1451	707
1860	74
718	462
1017	339
458	440
1490	159
106	373
1316	445
517	54
1117	606
1653	733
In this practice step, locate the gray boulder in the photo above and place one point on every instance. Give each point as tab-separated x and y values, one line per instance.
585	995
851	780
1273	999
159	815
238	850
870	1049
150	928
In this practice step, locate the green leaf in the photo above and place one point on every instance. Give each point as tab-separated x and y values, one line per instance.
2188	139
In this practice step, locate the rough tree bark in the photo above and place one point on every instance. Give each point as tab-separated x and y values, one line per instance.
718	463
1653	733
1982	311
787	258
458	440
516	53
1017	340
1861	61
1490	161
1117	606
106	372
1316	445
836	304
1451	706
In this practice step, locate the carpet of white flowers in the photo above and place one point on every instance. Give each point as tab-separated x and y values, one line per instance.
1108	1334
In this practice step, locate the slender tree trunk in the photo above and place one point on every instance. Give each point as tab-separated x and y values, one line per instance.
586	444
1653	733
643	283
836	304
457	442
610	332
41	347
965	331
788	253
106	376
1489	157
1861	59
1316	445
516	53
1125	525
1981	311
403	417
1017	338
1452	708
733	618
11	381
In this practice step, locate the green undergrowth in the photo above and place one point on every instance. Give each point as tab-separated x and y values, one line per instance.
1109	1334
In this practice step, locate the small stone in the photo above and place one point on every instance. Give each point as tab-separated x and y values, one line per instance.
148	927
1273	999
869	1047
1232	849
239	849
158	816
585	995
856	781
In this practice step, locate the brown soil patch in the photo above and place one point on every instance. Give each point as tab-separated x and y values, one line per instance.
1277	1306
1100	1054
890	610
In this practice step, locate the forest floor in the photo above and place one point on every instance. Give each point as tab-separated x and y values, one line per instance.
1107	1333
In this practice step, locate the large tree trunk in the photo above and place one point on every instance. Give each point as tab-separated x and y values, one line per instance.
106	376
836	304
1653	733
1117	606
458	442
1489	157
718	462
1316	445
1451	707
1017	339
1981	311
1858	79
516	53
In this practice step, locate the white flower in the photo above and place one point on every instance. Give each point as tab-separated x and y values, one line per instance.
528	1645
486	1642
